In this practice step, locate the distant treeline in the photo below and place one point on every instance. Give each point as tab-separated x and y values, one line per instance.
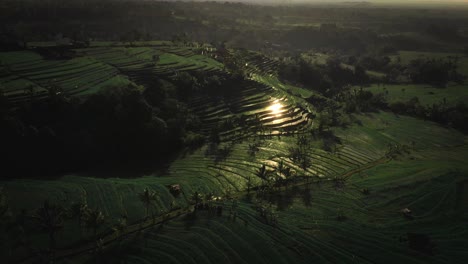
240	25
336	82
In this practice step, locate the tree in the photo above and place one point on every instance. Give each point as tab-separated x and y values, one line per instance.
147	197
50	219
288	174
120	226
299	153
196	198
249	184
93	219
281	170
262	173
3	204
77	210
360	76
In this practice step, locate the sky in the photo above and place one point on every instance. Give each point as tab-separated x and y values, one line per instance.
371	1
388	2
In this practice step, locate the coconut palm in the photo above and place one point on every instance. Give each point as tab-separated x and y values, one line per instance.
78	210
288	173
249	184
120	226
262	173
50	219
196	198
280	171
147	197
3	204
280	168
93	219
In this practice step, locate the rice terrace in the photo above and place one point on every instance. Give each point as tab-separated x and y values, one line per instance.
141	131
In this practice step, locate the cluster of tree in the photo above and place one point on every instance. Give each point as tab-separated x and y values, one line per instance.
444	32
434	72
242	25
371	62
119	123
49	219
359	100
328	80
449	115
52	218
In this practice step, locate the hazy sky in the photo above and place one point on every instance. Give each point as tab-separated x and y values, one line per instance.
372	1
386	2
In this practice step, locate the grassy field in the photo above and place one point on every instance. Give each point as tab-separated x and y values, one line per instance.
427	95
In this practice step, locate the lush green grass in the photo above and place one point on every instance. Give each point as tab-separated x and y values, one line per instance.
197	61
427	95
379	129
8	58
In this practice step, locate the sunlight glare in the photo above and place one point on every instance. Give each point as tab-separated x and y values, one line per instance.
276	107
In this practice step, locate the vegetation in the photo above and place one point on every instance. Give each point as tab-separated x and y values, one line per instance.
202	132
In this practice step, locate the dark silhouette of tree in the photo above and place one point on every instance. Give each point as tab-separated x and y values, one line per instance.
147	197
249	184
196	198
93	219
50	219
4	208
120	226
360	76
263	173
282	172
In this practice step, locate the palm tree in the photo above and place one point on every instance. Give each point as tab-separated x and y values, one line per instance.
119	227
78	210
147	197
249	184
50	219
262	173
3	204
287	175
93	219
280	170
196	198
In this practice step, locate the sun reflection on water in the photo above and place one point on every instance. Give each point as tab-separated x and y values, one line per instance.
276	108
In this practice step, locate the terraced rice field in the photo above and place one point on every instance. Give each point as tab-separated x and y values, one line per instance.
260	64
259	105
26	74
322	223
307	226
326	221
